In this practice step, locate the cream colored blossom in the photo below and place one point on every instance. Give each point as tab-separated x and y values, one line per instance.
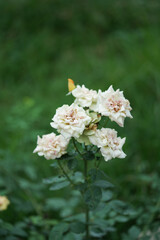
71	120
95	117
51	146
114	105
110	145
4	202
85	137
84	96
90	129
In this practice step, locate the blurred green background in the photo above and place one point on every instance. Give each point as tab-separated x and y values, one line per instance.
96	43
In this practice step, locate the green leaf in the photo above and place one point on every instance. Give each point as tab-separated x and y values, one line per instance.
81	187
117	206
3	232
55	203
11	238
54	165
36	220
103	224
53	179
19	232
92	197
112	214
56	236
134	232
67	157
107	195
77	177
89	155
97	232
59	185
77	227
145	238
157	235
69	236
121	219
78	217
103	184
57	231
96	174
72	163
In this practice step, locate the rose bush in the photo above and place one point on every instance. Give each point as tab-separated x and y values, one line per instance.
83	136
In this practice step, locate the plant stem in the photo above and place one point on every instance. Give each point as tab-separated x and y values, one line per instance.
64	172
87	224
98	164
74	143
86	181
87	210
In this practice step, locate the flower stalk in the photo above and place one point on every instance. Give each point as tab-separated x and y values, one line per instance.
86	181
74	143
65	174
86	210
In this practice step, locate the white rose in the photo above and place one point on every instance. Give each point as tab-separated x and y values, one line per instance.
71	120
84	138
51	146
4	202
114	105
85	97
90	129
110	145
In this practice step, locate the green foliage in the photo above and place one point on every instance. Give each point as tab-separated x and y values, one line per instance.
59	185
102	184
89	155
72	163
77	227
133	233
101	228
92	197
57	232
57	182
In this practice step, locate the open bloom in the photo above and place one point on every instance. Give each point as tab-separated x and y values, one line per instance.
71	120
51	146
4	202
110	145
85	97
84	138
114	105
90	129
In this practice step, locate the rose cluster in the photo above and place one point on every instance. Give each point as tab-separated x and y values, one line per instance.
81	121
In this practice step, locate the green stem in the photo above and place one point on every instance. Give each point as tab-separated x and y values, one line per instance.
96	151
98	164
74	143
86	181
64	172
86	210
